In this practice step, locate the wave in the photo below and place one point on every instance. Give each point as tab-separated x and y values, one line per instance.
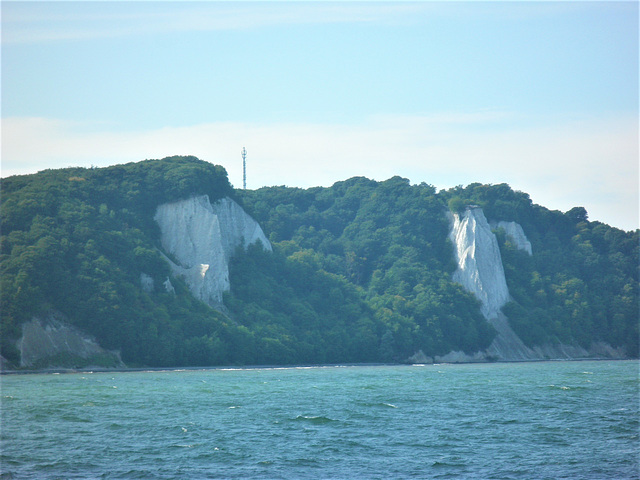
448	464
377	404
566	387
315	420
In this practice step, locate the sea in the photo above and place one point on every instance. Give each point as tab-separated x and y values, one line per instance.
545	420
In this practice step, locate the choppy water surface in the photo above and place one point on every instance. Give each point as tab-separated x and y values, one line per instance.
573	420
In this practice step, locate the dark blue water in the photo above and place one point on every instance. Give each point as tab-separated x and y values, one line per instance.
555	420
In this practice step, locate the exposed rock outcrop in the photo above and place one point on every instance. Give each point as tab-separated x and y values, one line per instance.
480	271
480	268
147	283
458	356
51	341
507	345
419	357
516	234
5	364
201	238
168	286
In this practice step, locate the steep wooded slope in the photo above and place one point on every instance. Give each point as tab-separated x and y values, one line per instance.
570	281
360	271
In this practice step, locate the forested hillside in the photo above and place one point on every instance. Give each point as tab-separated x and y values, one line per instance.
360	272
385	245
389	240
581	284
76	241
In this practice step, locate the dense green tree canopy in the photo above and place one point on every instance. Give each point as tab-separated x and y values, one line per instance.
382	243
76	240
581	283
360	272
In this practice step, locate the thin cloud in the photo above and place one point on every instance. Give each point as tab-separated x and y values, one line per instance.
591	163
36	23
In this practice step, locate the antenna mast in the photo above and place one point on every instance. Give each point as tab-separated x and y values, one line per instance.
244	168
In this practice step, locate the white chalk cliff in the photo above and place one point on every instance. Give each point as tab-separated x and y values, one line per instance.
480	272
202	237
480	268
51	338
516	234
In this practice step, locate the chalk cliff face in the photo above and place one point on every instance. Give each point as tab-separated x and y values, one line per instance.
202	237
480	268
51	339
516	235
480	272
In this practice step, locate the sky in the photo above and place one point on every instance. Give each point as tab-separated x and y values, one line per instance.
540	95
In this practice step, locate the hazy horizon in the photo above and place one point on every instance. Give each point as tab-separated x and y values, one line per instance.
540	95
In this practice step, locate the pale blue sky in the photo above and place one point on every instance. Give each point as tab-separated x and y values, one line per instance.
541	95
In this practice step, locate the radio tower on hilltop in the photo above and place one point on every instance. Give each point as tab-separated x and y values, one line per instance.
244	168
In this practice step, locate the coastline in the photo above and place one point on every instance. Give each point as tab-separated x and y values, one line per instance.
60	370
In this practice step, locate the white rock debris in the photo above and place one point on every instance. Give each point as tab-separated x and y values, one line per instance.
147	283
